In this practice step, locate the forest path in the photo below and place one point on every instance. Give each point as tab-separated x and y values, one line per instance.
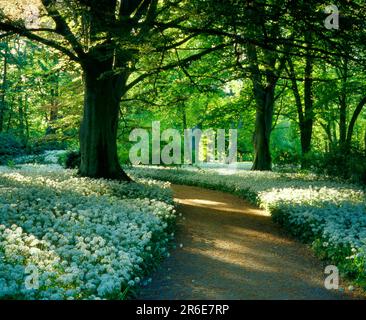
232	250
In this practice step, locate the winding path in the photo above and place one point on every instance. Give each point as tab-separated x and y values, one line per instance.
232	250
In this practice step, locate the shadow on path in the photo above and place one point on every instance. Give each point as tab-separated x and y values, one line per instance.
232	250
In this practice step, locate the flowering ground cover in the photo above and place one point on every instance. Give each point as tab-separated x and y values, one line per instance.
329	215
66	237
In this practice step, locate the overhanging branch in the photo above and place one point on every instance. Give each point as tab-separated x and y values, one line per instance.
182	62
62	27
10	28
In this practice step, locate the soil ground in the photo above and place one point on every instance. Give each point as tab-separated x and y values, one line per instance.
232	250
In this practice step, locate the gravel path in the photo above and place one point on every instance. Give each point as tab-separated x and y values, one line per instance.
232	250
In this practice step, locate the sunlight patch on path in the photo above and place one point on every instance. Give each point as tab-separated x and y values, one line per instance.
232	250
222	206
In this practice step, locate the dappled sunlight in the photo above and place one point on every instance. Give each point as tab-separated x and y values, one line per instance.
262	231
236	254
305	203
60	180
223	206
234	128
311	195
202	202
251	261
87	238
230	253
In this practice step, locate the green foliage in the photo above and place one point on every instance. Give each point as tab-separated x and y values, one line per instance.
43	89
350	265
10	147
123	156
346	164
39	95
269	52
11	164
285	144
45	143
284	157
71	160
303	232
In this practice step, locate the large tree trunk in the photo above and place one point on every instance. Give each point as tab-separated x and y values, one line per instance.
263	129
304	137
305	111
264	98
98	131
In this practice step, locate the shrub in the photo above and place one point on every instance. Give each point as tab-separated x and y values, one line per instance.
285	157
124	156
10	147
46	143
344	164
72	160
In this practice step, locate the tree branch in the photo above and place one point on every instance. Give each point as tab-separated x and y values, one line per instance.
8	27
62	27
354	118
182	62
270	43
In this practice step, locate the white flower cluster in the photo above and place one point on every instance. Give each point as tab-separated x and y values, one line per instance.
313	209
52	156
47	157
76	238
55	177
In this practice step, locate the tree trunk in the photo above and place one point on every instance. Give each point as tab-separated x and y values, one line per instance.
328	131
352	123
264	98
299	106
342	120
184	116
98	131
26	120
263	129
53	115
305	114
21	124
307	126
3	89
10	113
343	105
